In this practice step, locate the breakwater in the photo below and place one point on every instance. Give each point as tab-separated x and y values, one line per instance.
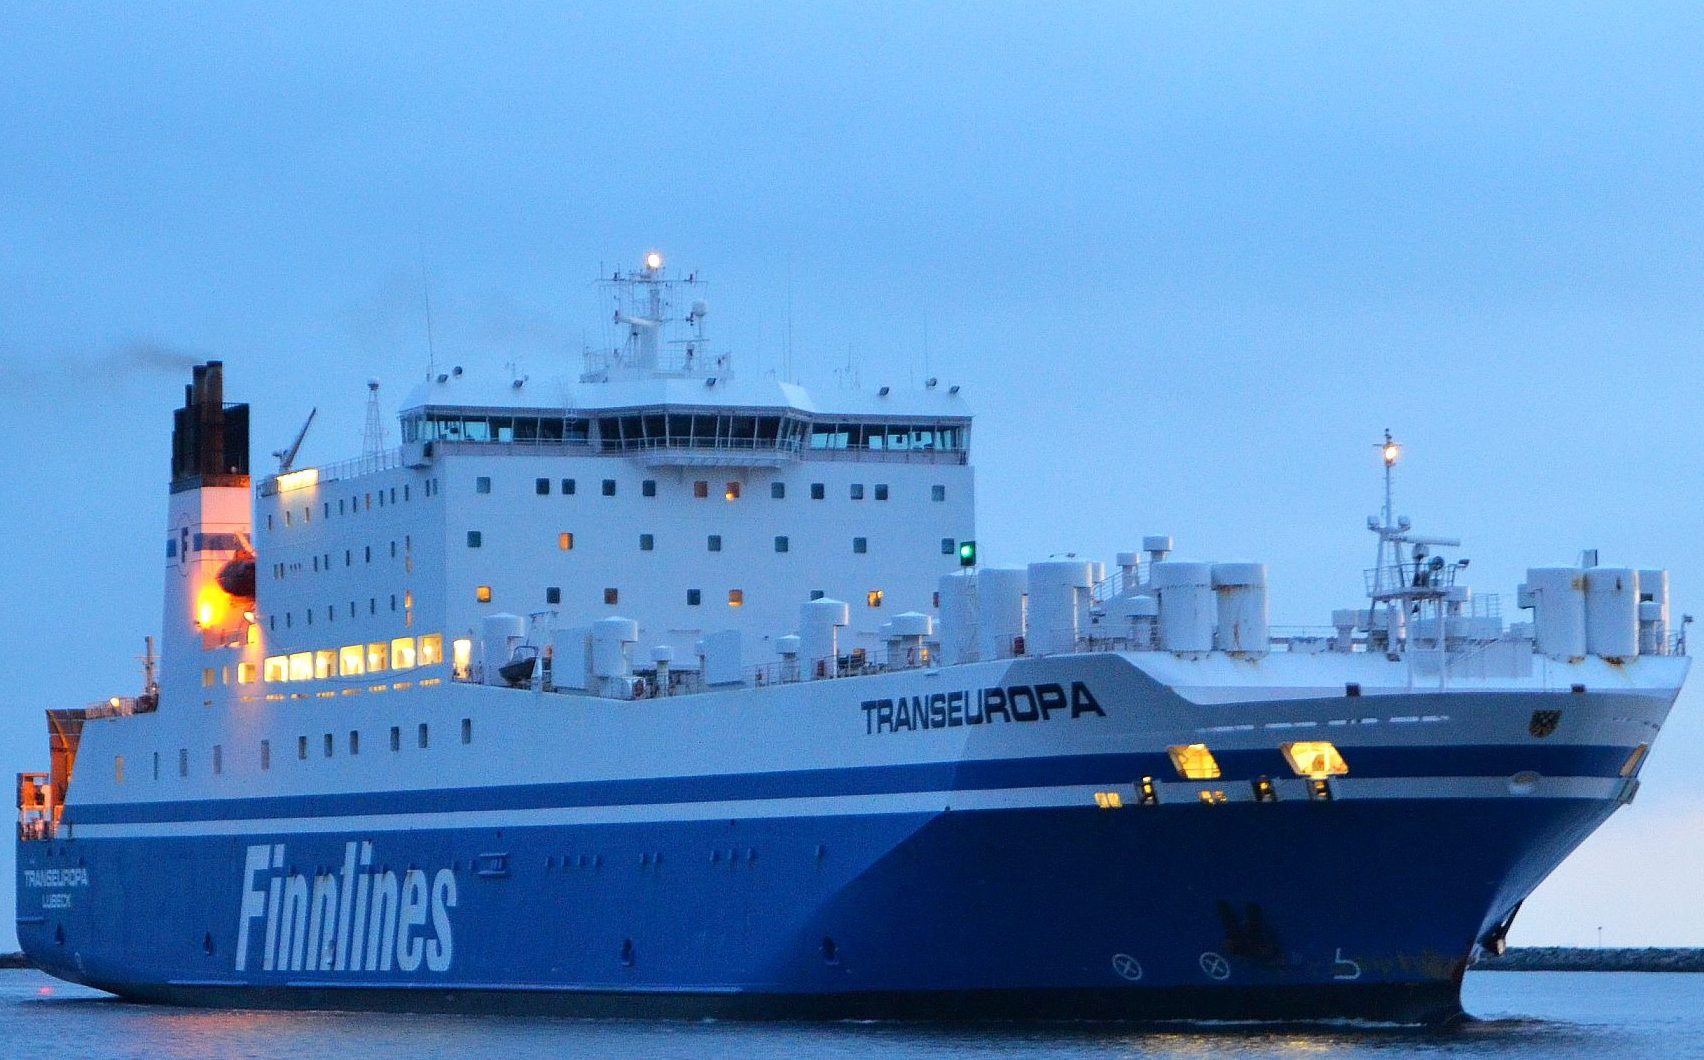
1591	959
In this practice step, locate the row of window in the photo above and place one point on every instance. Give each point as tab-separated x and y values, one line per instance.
701	489
328	742
406	600
694	598
322	561
355	660
360	502
684	430
712	543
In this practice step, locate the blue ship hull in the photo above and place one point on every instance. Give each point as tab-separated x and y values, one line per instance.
1297	909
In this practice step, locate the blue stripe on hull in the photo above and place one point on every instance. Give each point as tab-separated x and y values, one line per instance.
1249	910
1554	760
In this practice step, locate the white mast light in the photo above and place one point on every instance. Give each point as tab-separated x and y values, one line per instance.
653	261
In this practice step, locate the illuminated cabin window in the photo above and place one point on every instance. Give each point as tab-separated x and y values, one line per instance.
245	673
736	597
1315	758
431	649
565	541
732	492
302	666
351	660
874	597
276	669
402	653
483	594
207	678
701	489
1194	762
378	657
461	659
118	770
325	664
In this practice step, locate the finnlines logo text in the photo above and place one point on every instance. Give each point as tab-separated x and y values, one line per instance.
982	706
350	921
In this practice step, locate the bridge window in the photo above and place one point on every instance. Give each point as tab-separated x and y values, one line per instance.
646	542
609	487
781	544
648	488
857	491
714	542
948	546
475	539
860	545
553	594
541	487
482	484
1194	761
693	597
567	487
817	491
881	491
778	490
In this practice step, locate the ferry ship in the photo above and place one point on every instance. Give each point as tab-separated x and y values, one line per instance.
668	691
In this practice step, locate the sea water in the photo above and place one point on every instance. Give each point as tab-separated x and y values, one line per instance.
1517	1014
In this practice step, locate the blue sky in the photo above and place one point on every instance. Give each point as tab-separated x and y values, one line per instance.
1187	260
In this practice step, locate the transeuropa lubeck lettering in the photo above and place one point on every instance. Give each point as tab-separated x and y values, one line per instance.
982	706
356	920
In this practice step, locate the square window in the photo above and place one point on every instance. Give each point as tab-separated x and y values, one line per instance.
937	493
567	487
475	539
609	487
874	597
715	542
947	546
693	597
778	490
483	594
701	489
553	594
780	544
860	545
542	487
881	491
817	492
648	488
565	541
611	596
731	491
736	597
857	491
646	542
816	594
482	484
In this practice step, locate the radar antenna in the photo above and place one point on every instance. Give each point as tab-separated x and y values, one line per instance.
287	456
